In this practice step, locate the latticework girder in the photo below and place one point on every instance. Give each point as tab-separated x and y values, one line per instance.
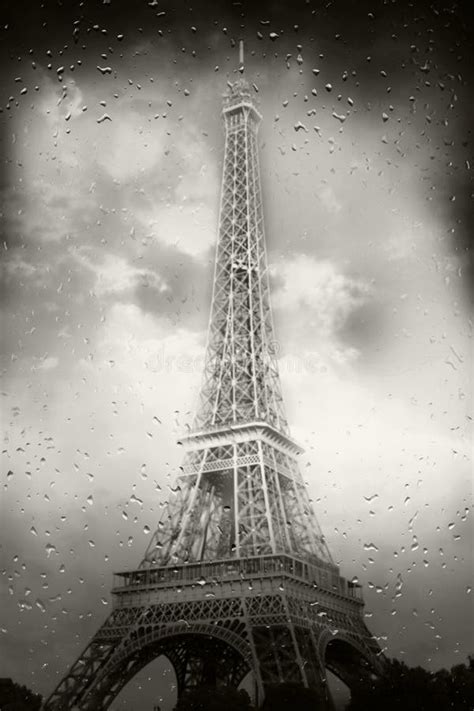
272	616
237	499
239	496
241	381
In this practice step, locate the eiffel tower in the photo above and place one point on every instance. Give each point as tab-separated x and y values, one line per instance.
237	577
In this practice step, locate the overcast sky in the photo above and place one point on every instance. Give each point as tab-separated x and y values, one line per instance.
112	155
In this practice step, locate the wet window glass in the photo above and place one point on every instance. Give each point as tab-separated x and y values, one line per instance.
236	280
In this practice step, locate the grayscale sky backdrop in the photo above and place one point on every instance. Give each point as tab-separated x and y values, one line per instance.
112	146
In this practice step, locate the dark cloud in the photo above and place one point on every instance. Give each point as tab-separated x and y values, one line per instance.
365	328
187	298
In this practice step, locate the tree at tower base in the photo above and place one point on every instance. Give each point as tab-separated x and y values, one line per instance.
279	697
214	698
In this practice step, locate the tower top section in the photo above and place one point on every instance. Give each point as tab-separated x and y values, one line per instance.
238	99
241	384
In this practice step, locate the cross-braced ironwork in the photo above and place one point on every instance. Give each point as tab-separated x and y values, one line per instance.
237	577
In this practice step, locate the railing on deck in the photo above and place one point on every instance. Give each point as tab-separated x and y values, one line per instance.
321	574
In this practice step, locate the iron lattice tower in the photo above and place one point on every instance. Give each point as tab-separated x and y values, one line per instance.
237	576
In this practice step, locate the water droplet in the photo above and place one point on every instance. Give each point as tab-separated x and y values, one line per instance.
50	549
370	547
300	126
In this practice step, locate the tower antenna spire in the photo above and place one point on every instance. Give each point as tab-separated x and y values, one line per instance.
241	55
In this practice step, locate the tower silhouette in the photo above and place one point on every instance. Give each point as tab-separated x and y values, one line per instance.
237	577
